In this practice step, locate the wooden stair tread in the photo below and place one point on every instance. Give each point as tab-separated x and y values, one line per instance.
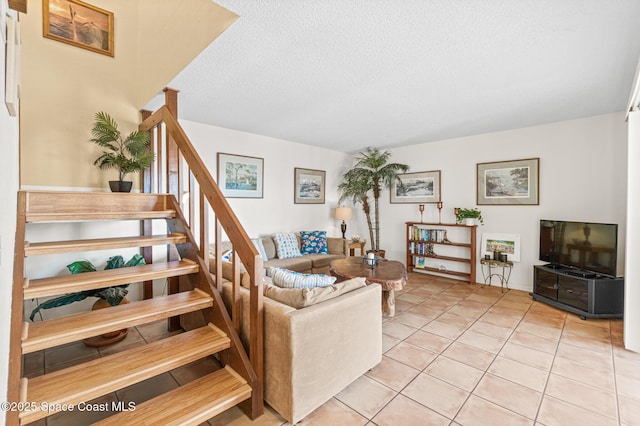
47	334
90	216
101	376
190	404
45	206
53	247
44	287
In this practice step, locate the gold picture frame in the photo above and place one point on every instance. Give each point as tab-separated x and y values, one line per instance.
79	24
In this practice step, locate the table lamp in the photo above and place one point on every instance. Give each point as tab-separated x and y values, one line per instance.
343	213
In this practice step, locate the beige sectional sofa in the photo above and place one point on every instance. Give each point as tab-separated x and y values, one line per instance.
308	263
312	353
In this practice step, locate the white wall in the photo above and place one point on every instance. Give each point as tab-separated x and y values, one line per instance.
632	271
582	178
276	211
8	193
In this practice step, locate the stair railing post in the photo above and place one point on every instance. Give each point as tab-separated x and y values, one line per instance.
146	226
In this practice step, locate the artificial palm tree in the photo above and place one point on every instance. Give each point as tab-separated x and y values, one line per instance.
371	172
127	155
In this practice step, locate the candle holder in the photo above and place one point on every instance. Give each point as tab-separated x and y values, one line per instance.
439	211
421	208
372	262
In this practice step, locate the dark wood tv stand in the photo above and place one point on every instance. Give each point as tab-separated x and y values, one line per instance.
581	292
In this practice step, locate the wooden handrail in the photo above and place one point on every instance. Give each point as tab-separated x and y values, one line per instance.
225	219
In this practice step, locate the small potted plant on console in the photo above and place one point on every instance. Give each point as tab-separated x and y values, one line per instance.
470	217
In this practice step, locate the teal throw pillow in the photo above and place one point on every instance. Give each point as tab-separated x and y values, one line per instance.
314	242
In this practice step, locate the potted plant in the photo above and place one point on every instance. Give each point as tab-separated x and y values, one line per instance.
469	216
109	296
128	155
373	173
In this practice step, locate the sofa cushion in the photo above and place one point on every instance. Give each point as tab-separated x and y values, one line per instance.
323	260
287	245
227	272
302	297
335	245
224	246
257	242
314	242
269	247
298	264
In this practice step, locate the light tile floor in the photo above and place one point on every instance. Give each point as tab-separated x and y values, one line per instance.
454	354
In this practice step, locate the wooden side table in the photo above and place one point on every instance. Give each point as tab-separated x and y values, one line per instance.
390	274
356	244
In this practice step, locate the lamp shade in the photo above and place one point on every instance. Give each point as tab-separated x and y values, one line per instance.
343	213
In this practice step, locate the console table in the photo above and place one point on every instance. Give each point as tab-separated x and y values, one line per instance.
355	245
583	293
492	268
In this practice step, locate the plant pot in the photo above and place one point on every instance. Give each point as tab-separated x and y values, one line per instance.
120	185
106	338
471	221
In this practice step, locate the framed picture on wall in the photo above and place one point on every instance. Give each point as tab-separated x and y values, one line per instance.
513	182
309	186
240	176
79	24
418	187
503	243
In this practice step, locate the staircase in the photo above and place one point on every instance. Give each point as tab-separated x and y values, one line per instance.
200	399
176	183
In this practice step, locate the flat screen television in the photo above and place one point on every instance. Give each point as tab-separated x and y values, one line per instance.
585	246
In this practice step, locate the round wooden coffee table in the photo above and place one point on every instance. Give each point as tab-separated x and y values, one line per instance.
390	274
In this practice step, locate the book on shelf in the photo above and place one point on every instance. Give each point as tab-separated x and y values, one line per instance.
421	248
426	234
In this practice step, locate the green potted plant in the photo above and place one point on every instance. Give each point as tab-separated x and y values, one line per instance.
469	216
373	173
127	155
111	295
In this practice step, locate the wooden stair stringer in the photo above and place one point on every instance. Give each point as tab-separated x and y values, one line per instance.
92	379
71	328
44	287
199	400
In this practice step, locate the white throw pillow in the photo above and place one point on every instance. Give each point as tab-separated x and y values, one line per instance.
287	245
289	279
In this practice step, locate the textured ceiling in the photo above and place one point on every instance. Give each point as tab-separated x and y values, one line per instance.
347	74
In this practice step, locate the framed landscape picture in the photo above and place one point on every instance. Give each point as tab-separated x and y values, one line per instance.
309	186
504	243
513	182
418	187
240	176
79	24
